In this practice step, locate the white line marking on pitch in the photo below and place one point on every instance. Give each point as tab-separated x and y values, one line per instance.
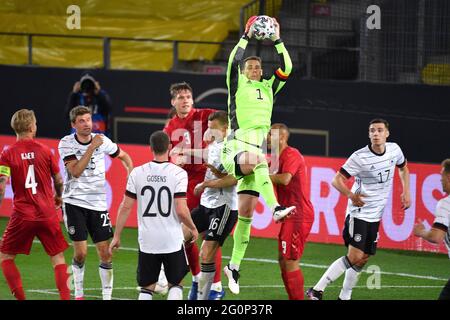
309	265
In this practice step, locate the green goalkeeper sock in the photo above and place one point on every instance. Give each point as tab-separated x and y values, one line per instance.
241	237
263	182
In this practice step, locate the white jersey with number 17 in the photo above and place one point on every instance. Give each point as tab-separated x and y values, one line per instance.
373	174
156	185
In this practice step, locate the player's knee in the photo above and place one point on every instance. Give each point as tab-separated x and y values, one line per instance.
105	256
363	261
355	258
80	257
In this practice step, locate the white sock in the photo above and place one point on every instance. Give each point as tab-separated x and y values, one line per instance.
234	266
145	294
78	278
107	277
350	281
333	272
196	277
206	280
175	293
217	286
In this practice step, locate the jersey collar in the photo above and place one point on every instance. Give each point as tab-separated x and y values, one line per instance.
82	143
377	154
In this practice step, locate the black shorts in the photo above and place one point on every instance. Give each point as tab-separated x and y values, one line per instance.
361	234
217	222
149	266
81	221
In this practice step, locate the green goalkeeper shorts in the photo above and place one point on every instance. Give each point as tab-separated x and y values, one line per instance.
229	156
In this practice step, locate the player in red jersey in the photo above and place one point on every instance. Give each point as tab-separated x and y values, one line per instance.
290	183
186	130
32	166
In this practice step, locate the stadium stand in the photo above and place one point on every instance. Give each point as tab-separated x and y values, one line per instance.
200	21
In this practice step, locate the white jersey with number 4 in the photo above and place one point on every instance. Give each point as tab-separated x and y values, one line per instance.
374	175
442	220
156	185
89	189
216	197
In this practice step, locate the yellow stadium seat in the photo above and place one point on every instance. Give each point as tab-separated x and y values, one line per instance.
154	19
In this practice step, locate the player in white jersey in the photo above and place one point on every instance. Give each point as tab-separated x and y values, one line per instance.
440	231
373	168
218	210
160	189
85	209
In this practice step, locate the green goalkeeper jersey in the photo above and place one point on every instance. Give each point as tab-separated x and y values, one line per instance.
250	102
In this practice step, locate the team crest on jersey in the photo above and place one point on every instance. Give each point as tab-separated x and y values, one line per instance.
357	237
71	230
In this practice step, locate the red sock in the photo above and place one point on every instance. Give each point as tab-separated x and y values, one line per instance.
285	281
218	275
193	258
61	279
295	284
12	276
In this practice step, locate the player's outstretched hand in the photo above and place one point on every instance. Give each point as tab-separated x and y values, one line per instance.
97	141
58	202
114	245
276	36
357	199
248	27
419	228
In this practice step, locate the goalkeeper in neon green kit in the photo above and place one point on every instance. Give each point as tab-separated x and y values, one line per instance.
250	103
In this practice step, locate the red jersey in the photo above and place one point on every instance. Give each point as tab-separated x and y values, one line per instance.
31	165
295	193
188	132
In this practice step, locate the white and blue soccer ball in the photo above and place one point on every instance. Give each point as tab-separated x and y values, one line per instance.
263	28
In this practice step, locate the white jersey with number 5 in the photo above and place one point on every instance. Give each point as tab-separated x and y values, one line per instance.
89	189
373	174
156	185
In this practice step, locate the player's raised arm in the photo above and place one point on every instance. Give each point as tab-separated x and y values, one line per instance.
285	68
237	55
76	167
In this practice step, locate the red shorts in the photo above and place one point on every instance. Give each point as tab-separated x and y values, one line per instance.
292	238
19	235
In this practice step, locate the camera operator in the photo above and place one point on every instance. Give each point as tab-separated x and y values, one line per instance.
87	92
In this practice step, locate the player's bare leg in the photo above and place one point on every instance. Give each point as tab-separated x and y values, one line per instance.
358	260
12	275
61	275
208	268
355	259
292	277
105	269
80	253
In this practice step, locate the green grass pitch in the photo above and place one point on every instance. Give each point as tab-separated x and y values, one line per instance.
403	275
